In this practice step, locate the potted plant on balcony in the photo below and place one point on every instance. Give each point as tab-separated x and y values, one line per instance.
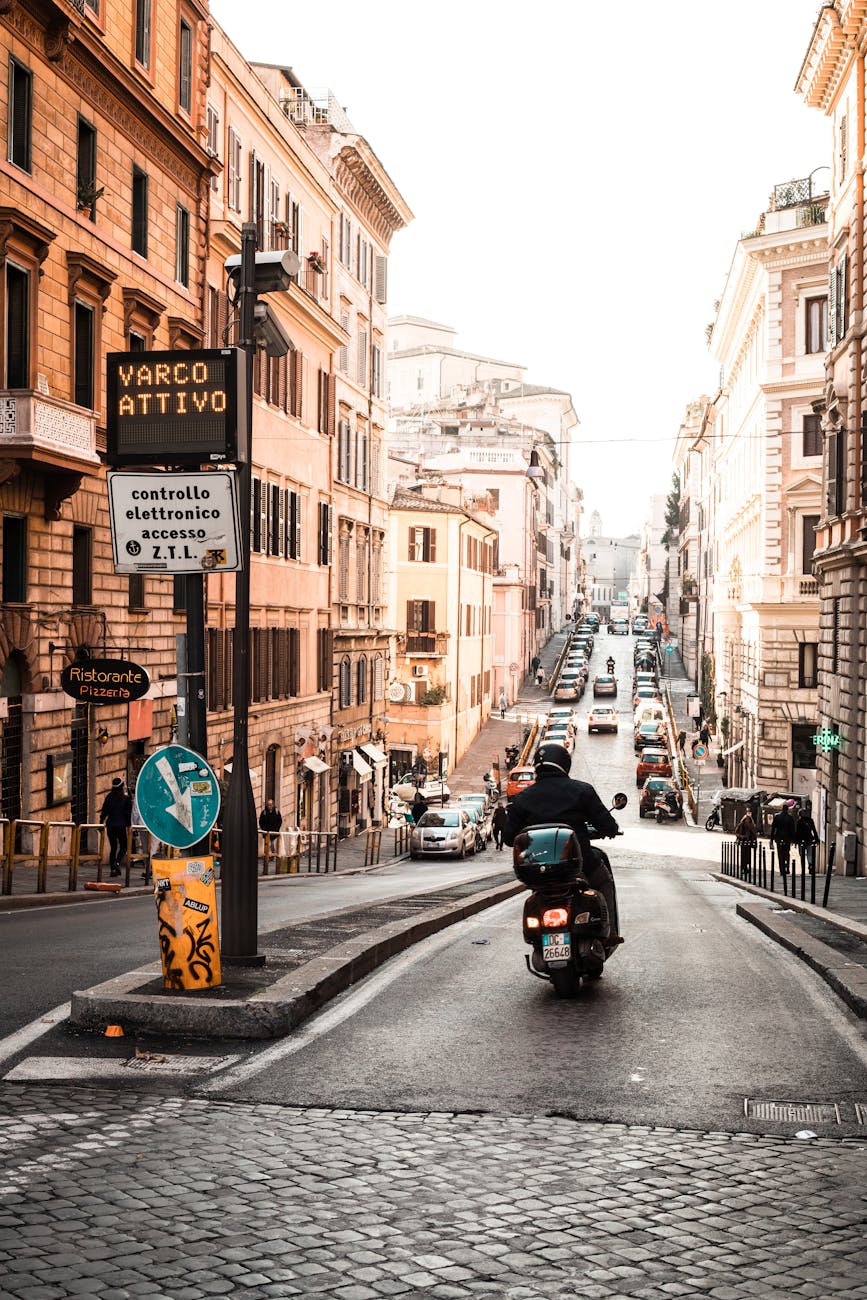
316	262
87	194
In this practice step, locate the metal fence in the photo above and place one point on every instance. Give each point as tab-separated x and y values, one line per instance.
759	864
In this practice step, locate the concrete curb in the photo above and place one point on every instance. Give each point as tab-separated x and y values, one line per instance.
274	1011
846	978
856	928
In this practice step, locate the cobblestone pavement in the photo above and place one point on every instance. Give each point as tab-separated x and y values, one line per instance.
123	1195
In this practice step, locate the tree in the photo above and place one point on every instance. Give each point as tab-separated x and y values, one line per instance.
672	512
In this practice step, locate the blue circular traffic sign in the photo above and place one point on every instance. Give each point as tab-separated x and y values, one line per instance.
700	751
178	796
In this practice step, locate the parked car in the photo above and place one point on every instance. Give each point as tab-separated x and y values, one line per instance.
562	715
649	711
640	623
519	779
654	786
619	627
652	762
431	791
652	734
602	717
479	818
604	684
569	687
443	831
643	694
484	806
645	679
559	735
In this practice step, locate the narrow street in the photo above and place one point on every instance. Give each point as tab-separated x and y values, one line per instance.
449	1128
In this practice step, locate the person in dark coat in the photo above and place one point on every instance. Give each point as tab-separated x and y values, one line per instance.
806	837
783	834
704	735
555	797
681	741
270	821
419	807
498	823
116	815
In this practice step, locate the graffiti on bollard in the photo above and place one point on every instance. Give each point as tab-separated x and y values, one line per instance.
186	898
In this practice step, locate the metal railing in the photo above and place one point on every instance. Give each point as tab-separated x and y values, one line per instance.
759	864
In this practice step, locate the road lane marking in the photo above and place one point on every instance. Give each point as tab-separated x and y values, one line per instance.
15	1043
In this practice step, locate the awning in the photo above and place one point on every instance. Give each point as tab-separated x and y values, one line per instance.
376	754
314	764
364	770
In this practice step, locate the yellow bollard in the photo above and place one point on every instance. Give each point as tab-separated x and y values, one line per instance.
186	898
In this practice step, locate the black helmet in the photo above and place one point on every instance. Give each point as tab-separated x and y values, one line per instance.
553	756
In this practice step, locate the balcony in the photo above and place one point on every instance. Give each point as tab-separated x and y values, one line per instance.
424	643
47	431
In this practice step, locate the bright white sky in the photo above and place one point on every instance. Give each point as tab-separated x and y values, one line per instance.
580	173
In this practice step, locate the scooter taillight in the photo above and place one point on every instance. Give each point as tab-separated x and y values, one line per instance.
555	916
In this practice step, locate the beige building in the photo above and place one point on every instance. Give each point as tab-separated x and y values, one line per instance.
831	80
440	692
769	338
103	236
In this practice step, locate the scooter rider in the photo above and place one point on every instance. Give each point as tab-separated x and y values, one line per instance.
610	665
555	797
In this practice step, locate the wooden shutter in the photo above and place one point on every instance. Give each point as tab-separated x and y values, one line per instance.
380	280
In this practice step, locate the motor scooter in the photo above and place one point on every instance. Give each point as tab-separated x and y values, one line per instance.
566	920
667	806
713	818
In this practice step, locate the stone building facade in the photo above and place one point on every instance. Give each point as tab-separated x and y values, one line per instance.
831	80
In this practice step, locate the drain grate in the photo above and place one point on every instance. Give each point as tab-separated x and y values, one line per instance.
793	1112
860	1112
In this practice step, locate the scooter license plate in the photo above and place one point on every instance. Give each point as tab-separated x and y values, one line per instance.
556	947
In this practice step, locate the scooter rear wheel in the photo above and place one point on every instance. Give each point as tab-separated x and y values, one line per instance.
566	982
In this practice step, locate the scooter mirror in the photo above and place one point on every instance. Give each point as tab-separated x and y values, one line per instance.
619	801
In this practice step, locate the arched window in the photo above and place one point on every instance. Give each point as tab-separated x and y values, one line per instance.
361	681
345	683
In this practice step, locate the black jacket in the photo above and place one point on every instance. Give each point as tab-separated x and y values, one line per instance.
116	809
270	820
555	797
783	828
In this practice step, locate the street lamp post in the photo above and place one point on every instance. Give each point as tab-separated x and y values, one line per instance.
240	844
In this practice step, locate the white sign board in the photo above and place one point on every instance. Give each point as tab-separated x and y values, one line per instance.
181	522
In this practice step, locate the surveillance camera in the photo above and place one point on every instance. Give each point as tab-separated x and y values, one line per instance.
268	331
274	271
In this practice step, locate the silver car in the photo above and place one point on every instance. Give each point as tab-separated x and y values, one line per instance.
446	830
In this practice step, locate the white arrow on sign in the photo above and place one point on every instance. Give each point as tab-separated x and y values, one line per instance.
182	807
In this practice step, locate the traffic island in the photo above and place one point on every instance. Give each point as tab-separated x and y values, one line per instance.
268	1001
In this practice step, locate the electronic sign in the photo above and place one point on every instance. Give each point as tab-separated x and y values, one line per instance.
176	408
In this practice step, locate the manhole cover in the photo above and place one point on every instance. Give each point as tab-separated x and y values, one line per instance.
793	1112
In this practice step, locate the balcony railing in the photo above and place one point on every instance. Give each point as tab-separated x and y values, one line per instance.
425	643
34	426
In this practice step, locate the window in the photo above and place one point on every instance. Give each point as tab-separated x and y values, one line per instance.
18	140
259	178
345	686
14	559
816	324
293	527
185	68
345	240
81	565
812	445
362	355
423	544
343	352
136	342
809	524
324	655
83	331
143	32
182	246
361	681
361	459
233	171
139	212
343	567
808	665
135	601
376	371
836	480
213	145
17	327
325	532
361	560
85	176
421	616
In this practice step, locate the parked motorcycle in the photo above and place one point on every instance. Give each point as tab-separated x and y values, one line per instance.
668	806
566	921
714	818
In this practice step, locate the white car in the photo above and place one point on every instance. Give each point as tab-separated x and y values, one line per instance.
431	791
443	830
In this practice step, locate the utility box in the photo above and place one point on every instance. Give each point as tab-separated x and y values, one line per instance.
186	895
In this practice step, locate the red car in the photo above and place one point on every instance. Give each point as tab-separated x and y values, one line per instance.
520	778
652	762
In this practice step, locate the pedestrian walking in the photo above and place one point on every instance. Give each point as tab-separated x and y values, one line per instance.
746	834
419	807
540	676
783	833
806	837
503	703
695	742
116	816
681	742
534	664
499	823
270	821
704	735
